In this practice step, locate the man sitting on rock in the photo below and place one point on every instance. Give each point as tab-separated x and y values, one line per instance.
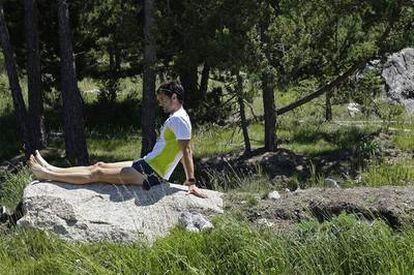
157	166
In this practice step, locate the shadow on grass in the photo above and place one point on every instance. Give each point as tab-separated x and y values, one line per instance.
343	138
102	118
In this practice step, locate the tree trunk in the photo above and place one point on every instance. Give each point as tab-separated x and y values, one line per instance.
117	54
188	78
328	106
268	84
269	111
33	76
111	59
243	121
74	126
16	91
204	80
148	107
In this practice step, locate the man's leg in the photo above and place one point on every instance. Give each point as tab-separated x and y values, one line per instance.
124	175
81	169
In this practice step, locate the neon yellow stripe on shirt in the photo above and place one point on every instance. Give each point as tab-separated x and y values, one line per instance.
165	158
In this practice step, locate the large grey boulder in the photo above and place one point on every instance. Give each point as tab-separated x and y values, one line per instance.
398	73
104	212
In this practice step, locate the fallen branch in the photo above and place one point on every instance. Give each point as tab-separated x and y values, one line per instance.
328	87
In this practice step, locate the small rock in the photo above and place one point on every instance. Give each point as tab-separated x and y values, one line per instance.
299	168
264	222
194	222
4	214
353	109
192	228
273	195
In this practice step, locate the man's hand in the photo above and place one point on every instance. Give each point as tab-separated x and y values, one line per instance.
193	190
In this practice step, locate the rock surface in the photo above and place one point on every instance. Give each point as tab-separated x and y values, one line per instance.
398	73
104	212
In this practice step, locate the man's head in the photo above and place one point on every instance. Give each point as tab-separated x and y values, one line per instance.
170	96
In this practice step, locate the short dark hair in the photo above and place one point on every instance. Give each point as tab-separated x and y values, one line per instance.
172	87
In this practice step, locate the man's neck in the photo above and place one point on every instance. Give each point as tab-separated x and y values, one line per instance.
175	109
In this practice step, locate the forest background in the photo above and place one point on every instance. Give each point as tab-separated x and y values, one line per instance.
259	76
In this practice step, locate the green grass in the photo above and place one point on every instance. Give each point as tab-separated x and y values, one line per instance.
383	174
341	246
11	189
404	141
210	140
114	149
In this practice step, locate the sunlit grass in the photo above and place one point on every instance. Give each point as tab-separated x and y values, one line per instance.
210	140
382	174
341	246
404	140
114	149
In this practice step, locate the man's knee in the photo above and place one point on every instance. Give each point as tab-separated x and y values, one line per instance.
99	164
96	174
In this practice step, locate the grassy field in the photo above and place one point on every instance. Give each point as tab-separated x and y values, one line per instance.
343	245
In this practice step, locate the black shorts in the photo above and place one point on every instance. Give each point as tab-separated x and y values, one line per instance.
151	178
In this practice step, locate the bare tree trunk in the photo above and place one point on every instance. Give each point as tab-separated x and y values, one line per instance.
16	91
117	53
33	76
111	59
74	126
243	121
269	111
328	106
148	107
188	78
268	84
204	80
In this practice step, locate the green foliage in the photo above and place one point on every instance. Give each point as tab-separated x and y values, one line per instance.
363	90
389	112
9	142
215	108
108	91
12	187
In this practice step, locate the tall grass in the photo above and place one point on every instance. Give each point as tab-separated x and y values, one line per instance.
341	246
11	189
381	174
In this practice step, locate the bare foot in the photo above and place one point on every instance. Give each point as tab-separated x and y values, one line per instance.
39	159
38	171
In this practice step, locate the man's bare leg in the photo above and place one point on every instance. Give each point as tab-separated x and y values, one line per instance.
124	175
82	169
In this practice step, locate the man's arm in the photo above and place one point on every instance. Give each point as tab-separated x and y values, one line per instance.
188	163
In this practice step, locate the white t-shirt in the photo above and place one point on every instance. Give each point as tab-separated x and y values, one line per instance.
167	153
